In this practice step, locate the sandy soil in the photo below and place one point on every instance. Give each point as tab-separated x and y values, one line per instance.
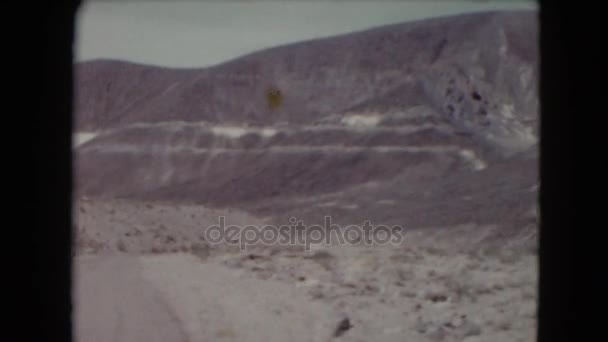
439	285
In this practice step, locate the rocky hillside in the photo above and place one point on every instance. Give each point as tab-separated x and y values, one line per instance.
423	124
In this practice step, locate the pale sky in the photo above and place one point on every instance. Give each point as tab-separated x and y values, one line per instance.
203	33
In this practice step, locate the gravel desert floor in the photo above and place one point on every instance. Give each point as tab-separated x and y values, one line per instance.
156	285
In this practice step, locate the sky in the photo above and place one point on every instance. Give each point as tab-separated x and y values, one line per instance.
204	33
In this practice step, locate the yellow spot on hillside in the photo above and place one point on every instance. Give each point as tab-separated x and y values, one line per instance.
274	98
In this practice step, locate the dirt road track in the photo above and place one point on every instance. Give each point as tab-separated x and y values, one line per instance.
113	302
179	298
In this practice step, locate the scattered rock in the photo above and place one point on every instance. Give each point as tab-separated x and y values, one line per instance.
436	334
470	328
342	327
437	297
121	246
408	294
458	321
200	250
420	326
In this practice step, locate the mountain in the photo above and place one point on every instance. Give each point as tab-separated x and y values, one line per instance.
423	124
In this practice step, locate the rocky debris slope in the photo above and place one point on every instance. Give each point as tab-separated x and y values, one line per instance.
428	123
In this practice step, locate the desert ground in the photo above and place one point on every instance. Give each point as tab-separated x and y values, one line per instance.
140	277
